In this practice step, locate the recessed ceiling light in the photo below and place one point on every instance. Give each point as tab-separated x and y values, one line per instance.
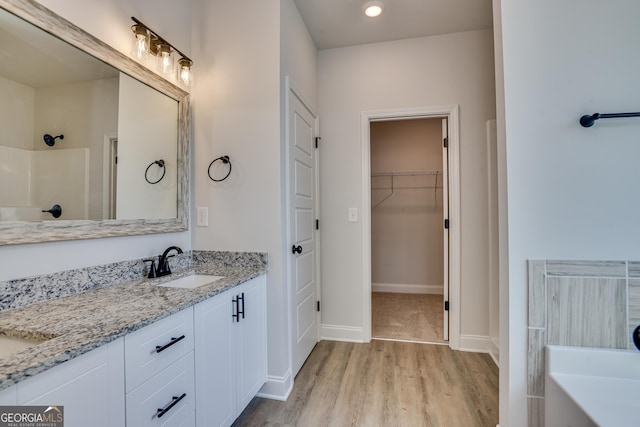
372	8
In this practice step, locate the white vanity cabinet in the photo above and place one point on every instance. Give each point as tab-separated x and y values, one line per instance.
159	370
230	352
90	387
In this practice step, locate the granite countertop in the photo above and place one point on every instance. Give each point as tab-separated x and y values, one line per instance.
79	323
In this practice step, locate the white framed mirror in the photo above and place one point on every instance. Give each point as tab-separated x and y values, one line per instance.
93	143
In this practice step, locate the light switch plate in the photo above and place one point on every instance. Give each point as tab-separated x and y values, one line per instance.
353	214
202	219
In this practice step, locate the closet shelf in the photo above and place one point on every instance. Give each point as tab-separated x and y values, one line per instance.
394	186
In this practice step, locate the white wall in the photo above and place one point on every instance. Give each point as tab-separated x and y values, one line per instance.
572	192
109	21
407	238
237	113
244	51
17	115
430	71
298	55
143	111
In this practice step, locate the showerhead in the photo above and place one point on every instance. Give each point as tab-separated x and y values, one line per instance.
51	140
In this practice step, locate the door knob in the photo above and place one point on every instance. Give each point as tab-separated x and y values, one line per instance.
296	249
55	211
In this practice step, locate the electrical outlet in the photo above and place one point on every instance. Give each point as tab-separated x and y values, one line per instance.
202	219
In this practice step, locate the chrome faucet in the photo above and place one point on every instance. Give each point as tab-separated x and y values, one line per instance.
163	263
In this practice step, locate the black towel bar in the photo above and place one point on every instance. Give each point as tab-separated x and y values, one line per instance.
588	120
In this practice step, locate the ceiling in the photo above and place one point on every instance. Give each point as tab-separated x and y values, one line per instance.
30	56
339	23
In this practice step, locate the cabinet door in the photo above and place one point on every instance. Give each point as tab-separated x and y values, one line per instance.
90	387
9	396
251	344
215	362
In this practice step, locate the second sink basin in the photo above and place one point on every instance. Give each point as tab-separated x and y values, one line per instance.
10	345
191	282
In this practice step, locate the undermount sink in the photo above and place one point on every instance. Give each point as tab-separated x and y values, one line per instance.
190	282
10	345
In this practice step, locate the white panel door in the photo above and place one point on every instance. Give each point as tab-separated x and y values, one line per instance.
302	216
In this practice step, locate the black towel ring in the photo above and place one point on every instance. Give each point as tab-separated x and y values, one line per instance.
226	161
160	163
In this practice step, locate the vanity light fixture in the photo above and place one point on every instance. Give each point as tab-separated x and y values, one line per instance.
372	8
164	58
184	71
147	42
141	42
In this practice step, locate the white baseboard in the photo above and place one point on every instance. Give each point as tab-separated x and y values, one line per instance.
277	388
475	343
494	351
341	333
401	288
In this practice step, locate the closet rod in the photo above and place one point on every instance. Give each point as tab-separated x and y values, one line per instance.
410	173
588	120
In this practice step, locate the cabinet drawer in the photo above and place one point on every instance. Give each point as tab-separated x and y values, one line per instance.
152	348
161	391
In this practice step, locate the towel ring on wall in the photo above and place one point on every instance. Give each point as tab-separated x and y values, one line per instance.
160	164
225	160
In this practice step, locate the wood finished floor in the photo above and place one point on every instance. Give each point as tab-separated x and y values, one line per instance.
385	383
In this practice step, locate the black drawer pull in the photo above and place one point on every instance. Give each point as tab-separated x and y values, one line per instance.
241	311
235	313
174	401
160	348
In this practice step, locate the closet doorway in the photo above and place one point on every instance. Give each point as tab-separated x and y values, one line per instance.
409	230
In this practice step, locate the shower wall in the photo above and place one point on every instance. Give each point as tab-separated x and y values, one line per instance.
406	227
85	113
31	181
34	176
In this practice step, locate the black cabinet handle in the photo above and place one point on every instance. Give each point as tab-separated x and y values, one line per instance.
174	401
241	311
636	337
296	249
161	348
236	313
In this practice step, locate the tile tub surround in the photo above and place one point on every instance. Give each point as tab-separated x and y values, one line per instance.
86	320
577	303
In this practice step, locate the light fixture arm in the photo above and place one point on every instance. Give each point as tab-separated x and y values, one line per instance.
160	39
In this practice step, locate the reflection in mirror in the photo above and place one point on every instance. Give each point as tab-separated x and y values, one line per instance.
77	133
80	124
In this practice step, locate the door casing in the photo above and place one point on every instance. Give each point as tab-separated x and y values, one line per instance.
451	113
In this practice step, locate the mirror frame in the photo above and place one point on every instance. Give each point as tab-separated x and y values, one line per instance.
18	232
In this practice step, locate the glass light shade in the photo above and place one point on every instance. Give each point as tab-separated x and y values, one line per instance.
165	59
185	76
140	45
